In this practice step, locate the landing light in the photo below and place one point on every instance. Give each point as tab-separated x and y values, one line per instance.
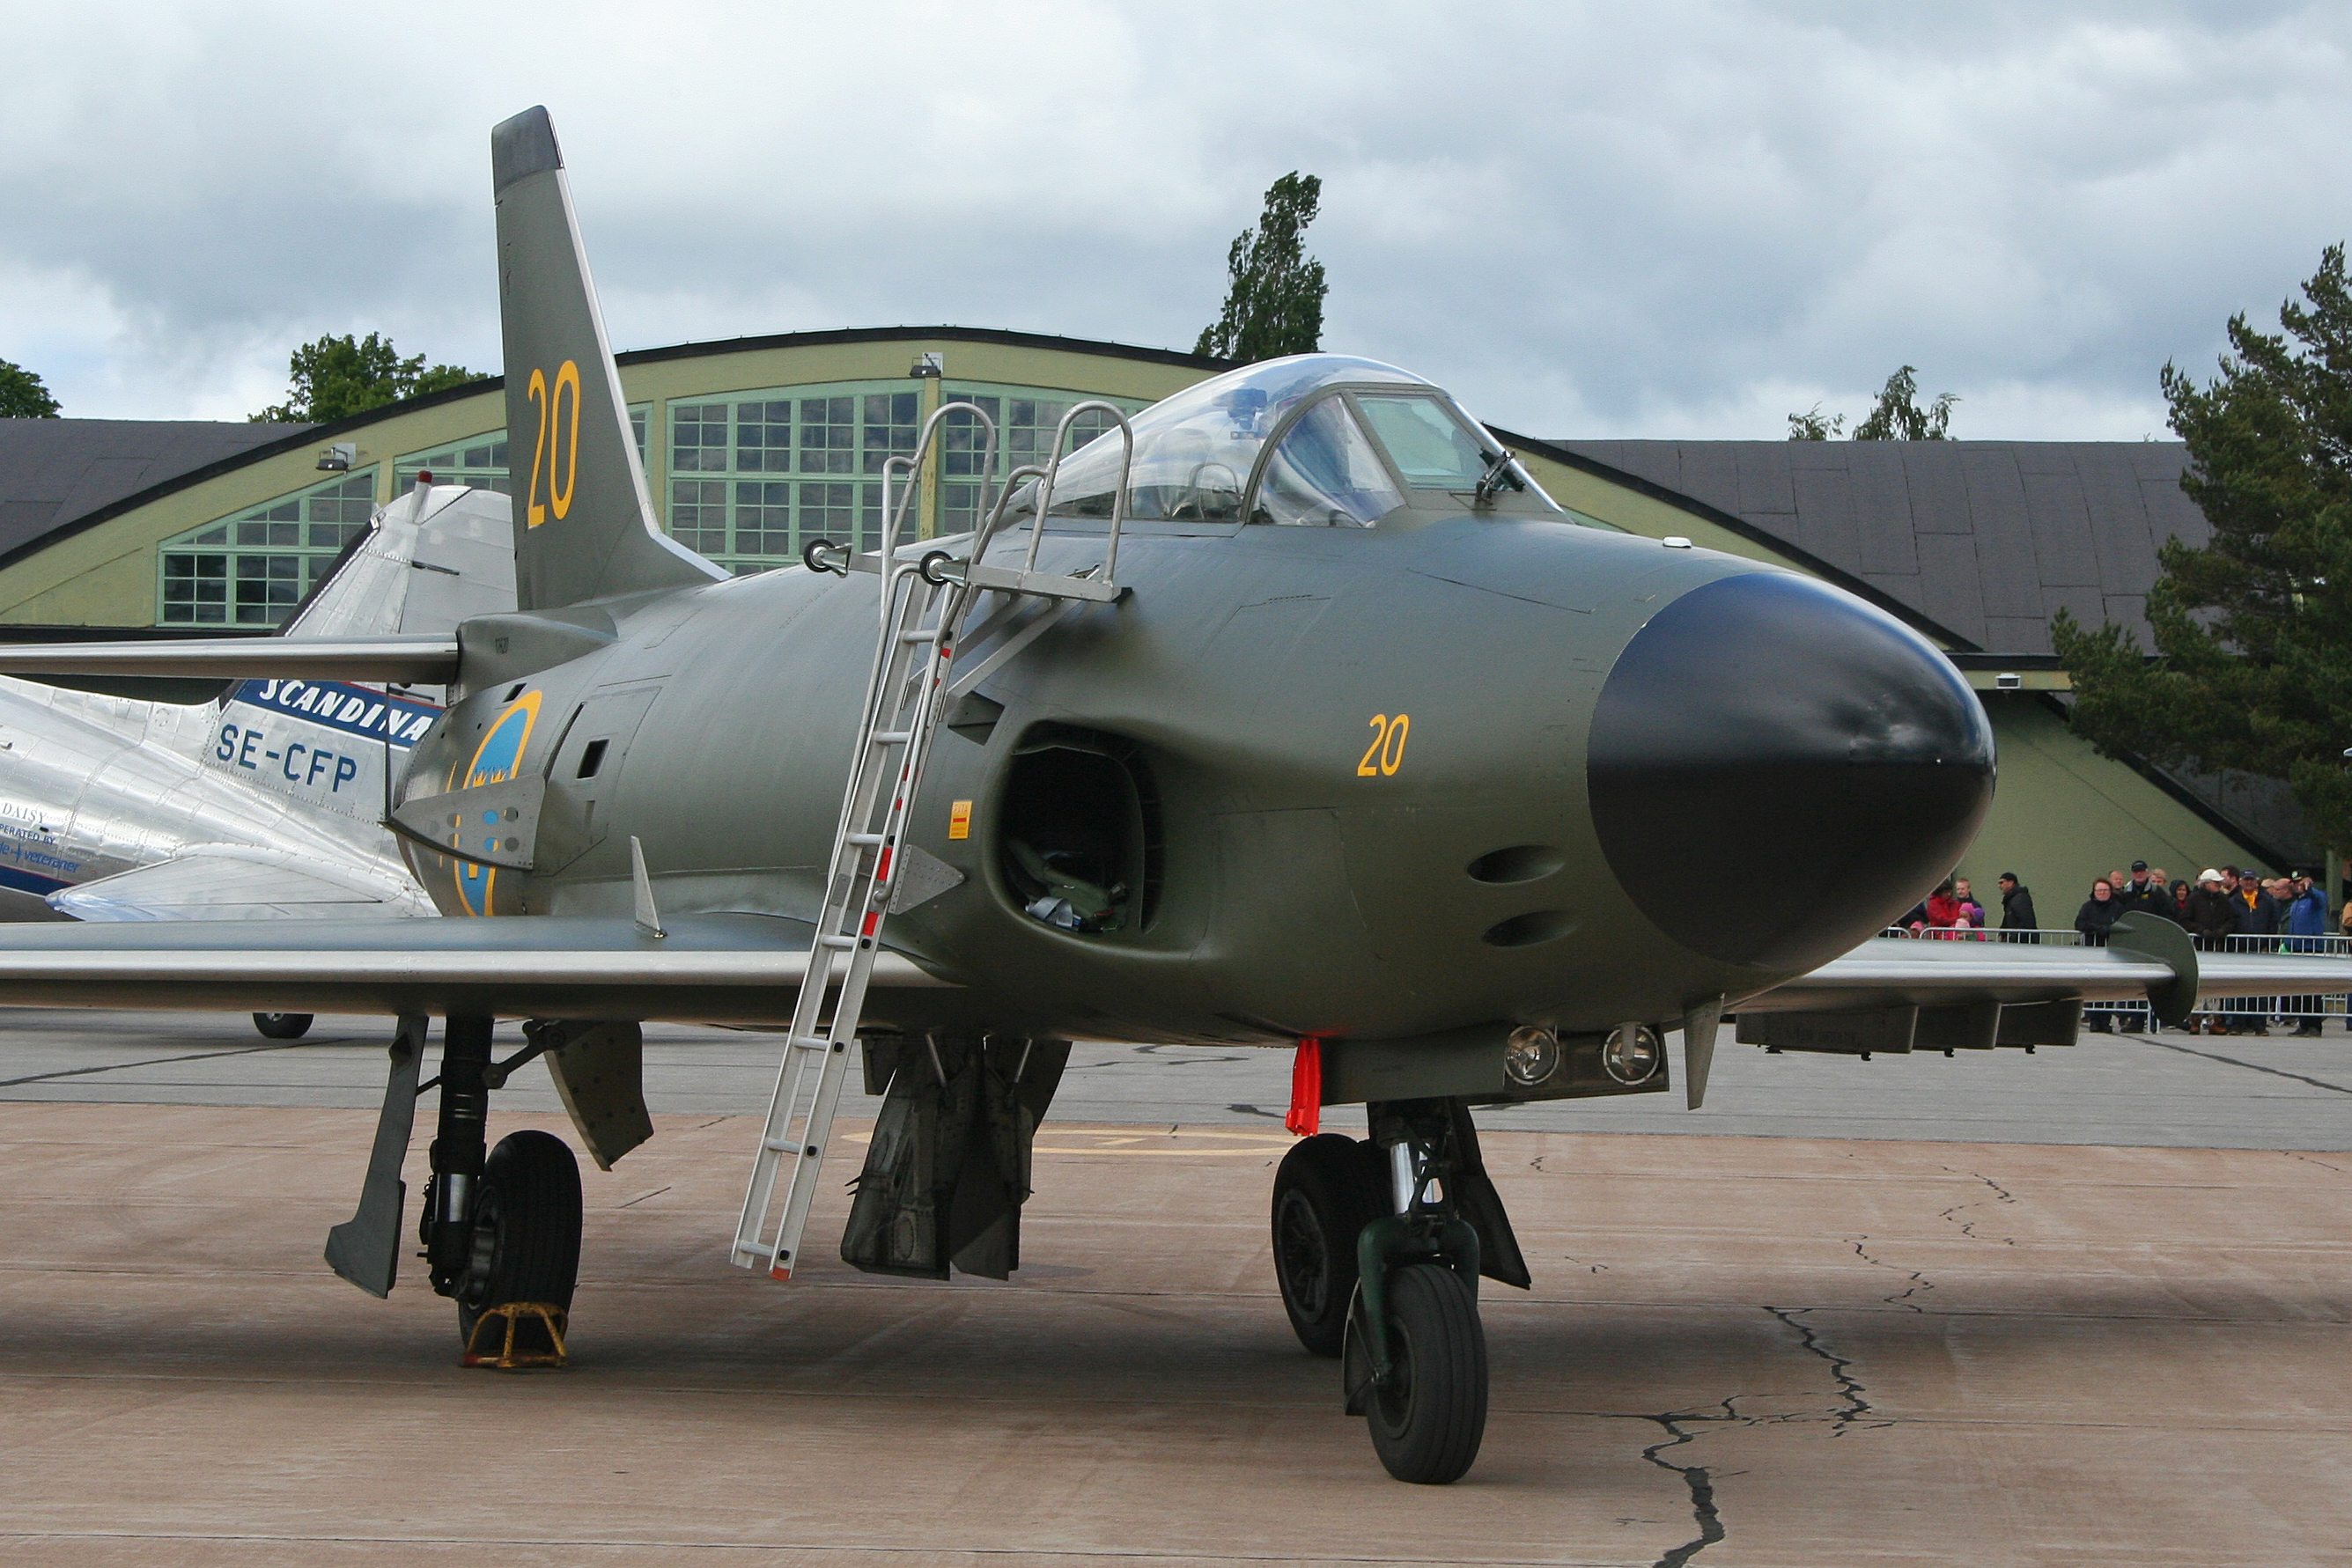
1531	1056
1632	1054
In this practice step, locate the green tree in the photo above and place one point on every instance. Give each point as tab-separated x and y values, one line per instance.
2254	629
1896	416
1274	304
22	395
337	377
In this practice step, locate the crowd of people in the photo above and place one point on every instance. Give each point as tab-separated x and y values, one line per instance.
2226	907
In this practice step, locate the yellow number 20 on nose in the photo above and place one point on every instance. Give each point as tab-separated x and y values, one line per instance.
1386	753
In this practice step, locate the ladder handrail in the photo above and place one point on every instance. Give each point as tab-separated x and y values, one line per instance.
1118	499
893	517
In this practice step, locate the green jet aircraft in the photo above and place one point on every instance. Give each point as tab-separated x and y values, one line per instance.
1288	713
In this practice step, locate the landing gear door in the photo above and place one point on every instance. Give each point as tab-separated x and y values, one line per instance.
585	771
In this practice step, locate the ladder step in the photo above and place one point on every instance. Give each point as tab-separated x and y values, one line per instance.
786	1147
930	636
839	944
893	737
862	838
811	1043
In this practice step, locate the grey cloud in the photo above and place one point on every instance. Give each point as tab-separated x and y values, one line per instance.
1589	219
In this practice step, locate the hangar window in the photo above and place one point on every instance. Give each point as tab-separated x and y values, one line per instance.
828	434
253	569
763	436
892	419
481	460
833	439
698	514
763	514
697	437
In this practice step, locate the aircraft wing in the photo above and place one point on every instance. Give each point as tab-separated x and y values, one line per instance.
710	968
413	659
1890	972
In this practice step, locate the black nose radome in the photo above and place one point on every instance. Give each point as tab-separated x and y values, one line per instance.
1778	770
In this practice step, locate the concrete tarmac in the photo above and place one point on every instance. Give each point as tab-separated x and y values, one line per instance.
1763	1346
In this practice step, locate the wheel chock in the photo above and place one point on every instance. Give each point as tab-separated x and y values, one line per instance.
551	1317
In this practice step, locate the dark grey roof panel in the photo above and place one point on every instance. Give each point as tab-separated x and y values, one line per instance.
1882	493
1951	592
53	471
1826	524
1939	490
2060	526
1984	538
1764	487
2013	582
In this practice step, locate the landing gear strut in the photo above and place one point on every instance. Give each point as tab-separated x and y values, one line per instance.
1378	1248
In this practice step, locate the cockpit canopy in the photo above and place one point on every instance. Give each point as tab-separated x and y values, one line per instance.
1351	438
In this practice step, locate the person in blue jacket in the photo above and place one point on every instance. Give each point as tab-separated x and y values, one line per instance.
2307	916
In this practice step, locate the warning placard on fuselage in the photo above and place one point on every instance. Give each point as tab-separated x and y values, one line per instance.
318	741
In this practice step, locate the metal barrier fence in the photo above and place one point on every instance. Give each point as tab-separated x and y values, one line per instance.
2232	1012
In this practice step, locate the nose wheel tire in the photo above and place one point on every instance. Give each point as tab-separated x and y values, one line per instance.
525	1242
1327	1190
1427	1420
282	1026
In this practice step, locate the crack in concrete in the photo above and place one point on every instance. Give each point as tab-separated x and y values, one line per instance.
1249	1109
1857	1400
1969	1229
1683	1427
1697	1477
1919	1281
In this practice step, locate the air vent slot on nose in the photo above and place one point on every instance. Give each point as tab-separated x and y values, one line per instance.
1526	930
1520	863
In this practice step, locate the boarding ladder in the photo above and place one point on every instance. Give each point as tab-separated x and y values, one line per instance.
926	595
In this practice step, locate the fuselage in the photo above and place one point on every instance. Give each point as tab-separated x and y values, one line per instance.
91	786
1308	781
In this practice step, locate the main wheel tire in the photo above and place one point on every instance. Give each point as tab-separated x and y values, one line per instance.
282	1026
1326	1191
1427	1423
526	1233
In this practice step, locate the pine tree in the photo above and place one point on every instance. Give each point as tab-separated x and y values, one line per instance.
334	378
22	395
1274	304
2254	629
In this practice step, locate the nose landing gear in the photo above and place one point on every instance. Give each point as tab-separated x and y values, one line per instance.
1378	1248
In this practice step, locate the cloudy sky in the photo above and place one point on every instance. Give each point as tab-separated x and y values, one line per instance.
1589	219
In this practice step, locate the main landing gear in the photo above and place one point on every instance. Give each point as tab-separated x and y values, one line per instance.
1378	1248
503	1227
500	1227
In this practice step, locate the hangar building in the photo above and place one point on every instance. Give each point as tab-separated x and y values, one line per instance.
754	445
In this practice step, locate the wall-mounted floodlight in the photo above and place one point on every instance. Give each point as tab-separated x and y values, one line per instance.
931	363
2008	682
338	458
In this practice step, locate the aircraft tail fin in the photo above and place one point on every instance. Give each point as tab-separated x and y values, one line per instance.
584	524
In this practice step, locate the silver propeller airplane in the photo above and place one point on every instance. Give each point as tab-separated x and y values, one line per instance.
267	802
1288	712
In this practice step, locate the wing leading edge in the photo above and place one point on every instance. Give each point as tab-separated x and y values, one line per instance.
706	968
